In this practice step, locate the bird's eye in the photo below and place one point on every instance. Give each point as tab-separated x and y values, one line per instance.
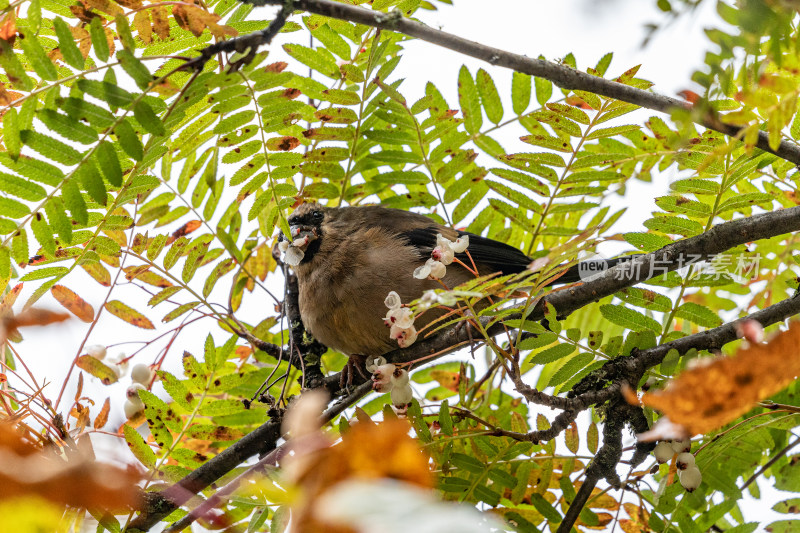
317	216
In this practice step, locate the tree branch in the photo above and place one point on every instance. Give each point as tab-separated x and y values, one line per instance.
561	75
718	239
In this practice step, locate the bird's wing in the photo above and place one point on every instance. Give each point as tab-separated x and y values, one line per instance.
494	255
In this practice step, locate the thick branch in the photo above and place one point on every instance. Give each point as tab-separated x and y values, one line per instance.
561	75
718	239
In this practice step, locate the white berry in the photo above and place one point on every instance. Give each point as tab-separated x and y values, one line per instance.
133	390
685	460
141	373
690	478
681	446
401	395
132	407
663	452
98	351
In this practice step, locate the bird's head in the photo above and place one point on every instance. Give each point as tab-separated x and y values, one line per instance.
305	226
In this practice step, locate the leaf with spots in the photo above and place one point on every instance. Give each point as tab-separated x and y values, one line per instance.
128	314
73	303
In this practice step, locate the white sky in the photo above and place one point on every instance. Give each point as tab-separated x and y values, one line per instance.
588	29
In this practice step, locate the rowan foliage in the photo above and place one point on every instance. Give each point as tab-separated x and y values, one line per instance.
152	152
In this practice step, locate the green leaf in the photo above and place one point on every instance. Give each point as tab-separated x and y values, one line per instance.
21	188
135	69
469	101
628	318
698	314
36	55
14	69
67	127
323	63
673	225
107	92
140	449
520	92
66	44
108	162
553	353
43	233
92	182
148	119
544	90
99	40
445	421
58	219
11	132
96	368
129	141
744	201
51	148
125	36
489	96
73	201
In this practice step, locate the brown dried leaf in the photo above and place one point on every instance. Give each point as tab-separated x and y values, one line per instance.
141	22
128	314
102	416
6	96
73	303
82	11
106	6
708	397
132	4
78	482
160	22
82	39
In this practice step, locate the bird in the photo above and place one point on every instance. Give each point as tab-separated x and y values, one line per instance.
348	259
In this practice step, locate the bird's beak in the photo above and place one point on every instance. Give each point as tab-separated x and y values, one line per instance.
302	235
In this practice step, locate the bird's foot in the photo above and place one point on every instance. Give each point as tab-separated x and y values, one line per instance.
355	363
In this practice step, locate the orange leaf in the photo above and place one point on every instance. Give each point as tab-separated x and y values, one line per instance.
96	368
448	380
73	303
183	231
283	144
128	314
690	96
8	28
278	66
102	416
577	101
708	397
79	481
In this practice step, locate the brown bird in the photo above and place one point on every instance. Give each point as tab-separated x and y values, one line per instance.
348	259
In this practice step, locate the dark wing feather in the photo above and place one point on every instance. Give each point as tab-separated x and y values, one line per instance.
493	256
